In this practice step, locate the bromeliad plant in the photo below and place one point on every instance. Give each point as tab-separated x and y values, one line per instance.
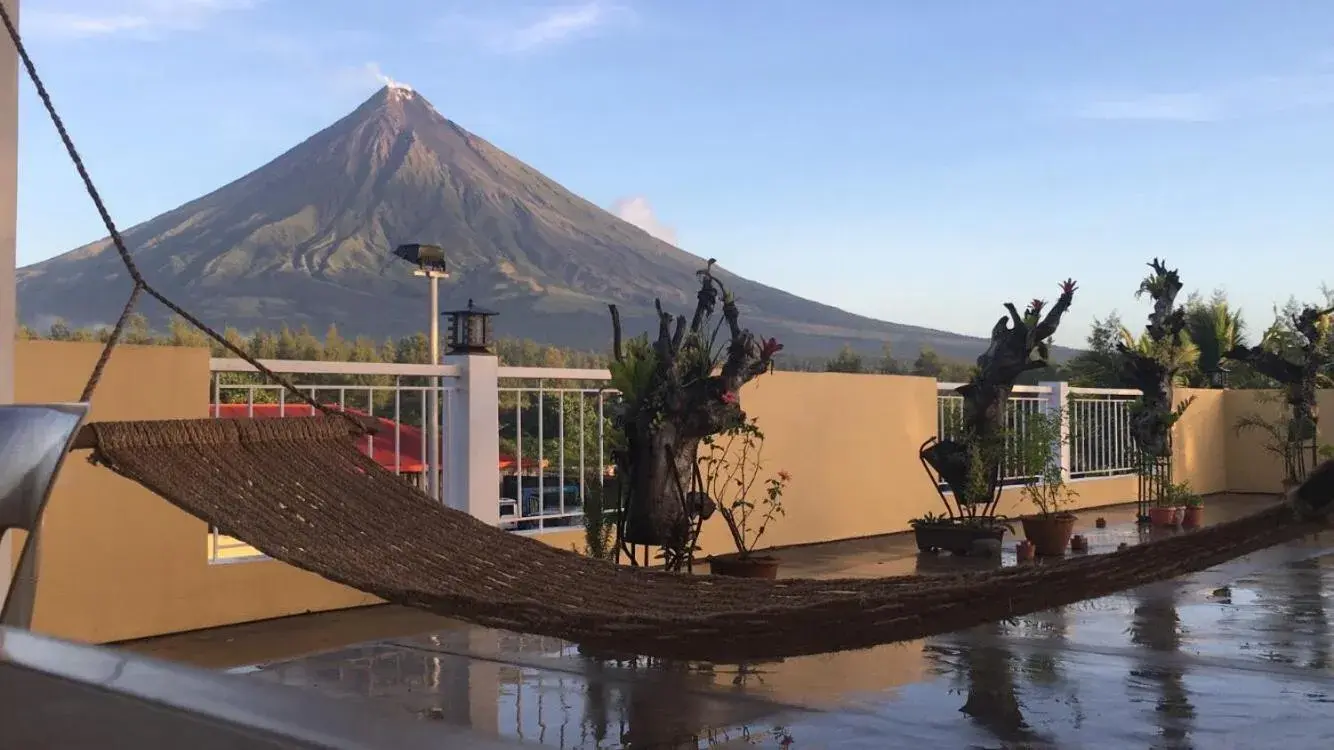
731	465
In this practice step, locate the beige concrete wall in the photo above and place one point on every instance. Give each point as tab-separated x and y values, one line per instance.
1200	440
1250	468
117	561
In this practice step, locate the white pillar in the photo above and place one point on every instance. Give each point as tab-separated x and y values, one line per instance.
1058	401
472	464
9	192
433	399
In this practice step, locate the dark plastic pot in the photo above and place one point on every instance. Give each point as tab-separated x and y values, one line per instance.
755	566
955	538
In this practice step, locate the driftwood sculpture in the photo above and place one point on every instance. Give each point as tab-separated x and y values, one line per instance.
1298	370
1152	365
1018	344
676	390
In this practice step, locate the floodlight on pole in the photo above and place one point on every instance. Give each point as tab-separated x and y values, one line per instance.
430	263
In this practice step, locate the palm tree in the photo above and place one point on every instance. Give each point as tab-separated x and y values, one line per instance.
1180	357
1215	329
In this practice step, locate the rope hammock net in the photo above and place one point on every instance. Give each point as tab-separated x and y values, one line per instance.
301	492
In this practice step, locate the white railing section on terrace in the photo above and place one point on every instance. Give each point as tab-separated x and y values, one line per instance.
397	394
527	448
554	425
1097	423
534	440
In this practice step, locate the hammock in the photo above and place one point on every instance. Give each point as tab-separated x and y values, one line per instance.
301	492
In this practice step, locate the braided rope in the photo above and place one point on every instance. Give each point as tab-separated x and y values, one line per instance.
140	284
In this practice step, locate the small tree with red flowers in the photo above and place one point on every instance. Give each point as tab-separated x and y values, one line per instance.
676	390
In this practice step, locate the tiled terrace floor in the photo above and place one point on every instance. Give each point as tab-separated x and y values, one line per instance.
1238	656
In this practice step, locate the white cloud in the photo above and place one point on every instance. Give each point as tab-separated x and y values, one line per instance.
536	29
1251	97
82	19
637	210
559	25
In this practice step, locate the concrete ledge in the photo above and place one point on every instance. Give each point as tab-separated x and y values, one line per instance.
58	694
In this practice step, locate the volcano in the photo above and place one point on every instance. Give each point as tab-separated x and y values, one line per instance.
308	239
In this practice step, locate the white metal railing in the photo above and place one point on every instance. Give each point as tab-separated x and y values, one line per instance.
554	427
1098	418
398	394
1100	444
1025	400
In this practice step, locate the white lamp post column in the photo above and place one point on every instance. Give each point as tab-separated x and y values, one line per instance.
433	398
430	262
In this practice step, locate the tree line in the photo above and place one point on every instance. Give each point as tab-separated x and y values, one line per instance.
302	344
1213	326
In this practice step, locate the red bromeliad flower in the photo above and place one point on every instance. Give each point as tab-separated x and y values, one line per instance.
1037	305
1068	286
770	347
728	397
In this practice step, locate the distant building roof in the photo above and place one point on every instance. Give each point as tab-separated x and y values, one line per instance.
406	456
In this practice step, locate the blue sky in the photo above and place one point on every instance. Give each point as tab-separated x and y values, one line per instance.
915	161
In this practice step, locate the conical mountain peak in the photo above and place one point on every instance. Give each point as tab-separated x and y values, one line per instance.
308	239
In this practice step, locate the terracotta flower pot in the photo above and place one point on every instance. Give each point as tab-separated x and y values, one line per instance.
1079	543
1024	551
1049	534
1101	523
1193	517
1160	516
733	566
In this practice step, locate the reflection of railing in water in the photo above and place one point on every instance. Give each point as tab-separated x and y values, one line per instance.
638	702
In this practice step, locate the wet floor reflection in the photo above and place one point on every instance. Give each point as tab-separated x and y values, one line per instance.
1156	626
1238	656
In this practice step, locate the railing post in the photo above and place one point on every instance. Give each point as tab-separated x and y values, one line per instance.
472	438
1058	402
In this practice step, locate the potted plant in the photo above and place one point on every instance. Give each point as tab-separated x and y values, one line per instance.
1194	515
969	455
1051	528
731	467
1173	502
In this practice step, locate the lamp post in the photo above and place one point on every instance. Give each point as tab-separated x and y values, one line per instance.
430	262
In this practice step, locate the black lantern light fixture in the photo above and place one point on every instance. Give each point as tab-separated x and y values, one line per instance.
470	330
429	259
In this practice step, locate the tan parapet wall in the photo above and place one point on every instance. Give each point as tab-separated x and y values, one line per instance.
117	561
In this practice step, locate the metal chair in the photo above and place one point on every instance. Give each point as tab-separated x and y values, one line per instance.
34	440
